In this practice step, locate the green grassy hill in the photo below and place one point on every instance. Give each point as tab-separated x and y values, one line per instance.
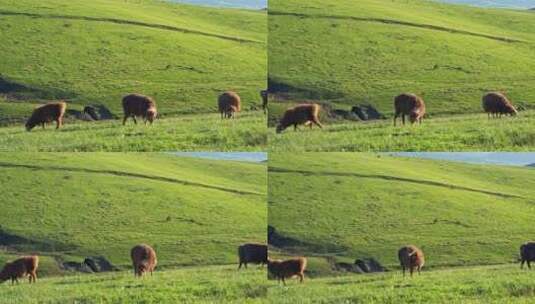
337	207
96	52
210	284
450	54
205	132
342	54
490	284
68	206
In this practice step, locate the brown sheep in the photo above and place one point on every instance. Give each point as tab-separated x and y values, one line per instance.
49	112
143	259
411	105
252	253
412	258
298	115
527	254
288	268
264	94
139	105
496	104
229	103
20	268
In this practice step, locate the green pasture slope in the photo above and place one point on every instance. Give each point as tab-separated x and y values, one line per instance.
338	207
208	284
68	206
486	284
206	132
343	54
95	52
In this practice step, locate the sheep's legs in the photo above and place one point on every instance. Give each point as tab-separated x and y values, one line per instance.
529	264
301	277
317	124
124	120
403	118
134	118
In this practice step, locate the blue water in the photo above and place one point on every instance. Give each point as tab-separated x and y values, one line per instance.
496	158
518	4
236	156
250	4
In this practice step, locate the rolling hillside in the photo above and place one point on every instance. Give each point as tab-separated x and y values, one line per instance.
489	284
339	207
96	52
69	206
208	284
341	54
449	54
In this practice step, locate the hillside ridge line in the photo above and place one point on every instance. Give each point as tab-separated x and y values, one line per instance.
398	22
394	178
129	22
128	174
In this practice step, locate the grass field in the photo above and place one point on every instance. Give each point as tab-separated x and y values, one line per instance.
343	206
342	55
335	208
470	132
209	284
490	284
205	132
94	53
67	206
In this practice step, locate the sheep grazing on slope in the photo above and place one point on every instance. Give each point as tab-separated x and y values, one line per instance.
410	105
143	259
298	115
410	257
527	254
49	112
496	104
139	105
25	266
288	268
264	94
252	253
228	104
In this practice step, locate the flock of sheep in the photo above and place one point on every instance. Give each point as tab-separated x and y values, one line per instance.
134	105
410	105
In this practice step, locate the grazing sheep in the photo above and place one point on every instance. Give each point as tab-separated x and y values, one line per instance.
411	105
527	254
20	268
139	105
298	115
412	258
252	253
49	112
229	103
143	259
264	94
91	112
496	104
288	268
